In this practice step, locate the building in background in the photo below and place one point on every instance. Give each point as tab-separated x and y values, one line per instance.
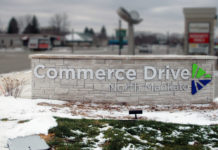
199	30
78	39
22	40
10	40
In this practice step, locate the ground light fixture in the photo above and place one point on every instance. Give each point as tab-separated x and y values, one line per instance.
131	18
135	112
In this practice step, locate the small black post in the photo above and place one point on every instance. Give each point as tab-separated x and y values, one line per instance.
135	112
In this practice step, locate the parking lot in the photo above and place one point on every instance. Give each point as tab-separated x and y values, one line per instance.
11	61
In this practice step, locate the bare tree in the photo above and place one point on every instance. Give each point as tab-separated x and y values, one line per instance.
23	21
60	23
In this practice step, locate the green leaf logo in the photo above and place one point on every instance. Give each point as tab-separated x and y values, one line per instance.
199	73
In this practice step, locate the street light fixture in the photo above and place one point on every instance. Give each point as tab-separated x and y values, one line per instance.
131	18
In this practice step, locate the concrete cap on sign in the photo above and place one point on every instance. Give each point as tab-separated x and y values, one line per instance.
200	12
121	57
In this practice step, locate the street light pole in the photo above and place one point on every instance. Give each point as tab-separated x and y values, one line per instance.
120	37
131	40
168	43
131	18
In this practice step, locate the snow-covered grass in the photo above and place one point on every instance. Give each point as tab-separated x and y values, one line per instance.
130	135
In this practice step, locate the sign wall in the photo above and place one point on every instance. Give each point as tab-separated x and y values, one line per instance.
124	79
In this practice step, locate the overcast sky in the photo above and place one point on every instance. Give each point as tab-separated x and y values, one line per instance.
158	15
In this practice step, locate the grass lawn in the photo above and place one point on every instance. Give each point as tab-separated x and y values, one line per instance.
76	134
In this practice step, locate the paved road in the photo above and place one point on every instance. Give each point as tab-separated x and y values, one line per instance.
14	61
11	61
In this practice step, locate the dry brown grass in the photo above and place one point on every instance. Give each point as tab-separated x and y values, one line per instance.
47	137
11	87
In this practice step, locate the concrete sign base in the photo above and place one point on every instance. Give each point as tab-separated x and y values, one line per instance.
151	79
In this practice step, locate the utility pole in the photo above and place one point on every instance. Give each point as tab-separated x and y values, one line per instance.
120	37
131	18
168	43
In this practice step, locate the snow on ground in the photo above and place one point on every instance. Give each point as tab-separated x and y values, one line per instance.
21	117
100	137
36	119
215	100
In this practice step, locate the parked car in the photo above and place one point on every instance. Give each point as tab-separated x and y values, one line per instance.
39	43
145	49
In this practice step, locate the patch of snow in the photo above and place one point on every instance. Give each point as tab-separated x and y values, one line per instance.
78	132
129	147
175	133
123	128
185	117
215	100
150	129
105	128
139	139
38	125
141	127
40	118
158	144
212	132
71	138
159	138
100	137
85	140
184	128
191	143
211	147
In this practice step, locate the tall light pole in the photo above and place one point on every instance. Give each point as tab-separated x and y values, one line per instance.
168	43
131	40
131	18
120	37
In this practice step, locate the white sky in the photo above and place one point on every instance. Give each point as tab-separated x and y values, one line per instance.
158	15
